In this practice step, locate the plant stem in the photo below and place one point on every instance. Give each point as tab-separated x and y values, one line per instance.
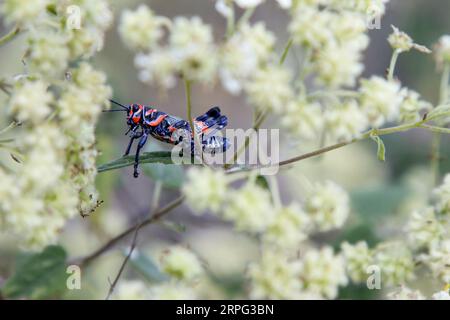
436	141
124	263
187	86
286	51
156	194
364	136
158	214
246	16
12	125
392	65
436	129
10	35
230	22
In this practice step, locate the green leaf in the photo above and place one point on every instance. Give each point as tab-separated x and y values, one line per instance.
262	182
147	157
381	152
174	226
38	276
439	112
170	175
145	266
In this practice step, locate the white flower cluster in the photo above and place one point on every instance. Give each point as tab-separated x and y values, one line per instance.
281	229
181	263
303	119
250	207
275	277
23	11
316	275
380	100
249	49
190	51
393	258
183	268
428	232
224	7
336	37
357	258
57	146
401	42
345	121
405	293
328	206
442	50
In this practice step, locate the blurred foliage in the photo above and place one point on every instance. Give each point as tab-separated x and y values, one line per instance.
38	276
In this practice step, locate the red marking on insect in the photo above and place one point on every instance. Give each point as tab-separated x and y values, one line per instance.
157	120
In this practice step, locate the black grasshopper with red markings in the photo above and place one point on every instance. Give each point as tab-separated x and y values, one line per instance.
145	121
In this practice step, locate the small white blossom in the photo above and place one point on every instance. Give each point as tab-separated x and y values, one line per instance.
181	263
49	54
441	295
224	7
411	106
289	227
23	11
141	29
346	121
193	49
205	189
247	50
405	293
328	205
249	208
131	290
380	100
395	261
423	228
157	67
438	260
248	3
357	258
274	277
30	102
270	88
311	27
338	66
442	50
371	8
302	119
402	42
323	272
96	18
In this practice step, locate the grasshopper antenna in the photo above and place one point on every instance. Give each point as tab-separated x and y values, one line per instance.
119	104
114	110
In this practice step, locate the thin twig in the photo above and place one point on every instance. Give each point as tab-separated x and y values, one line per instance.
392	65
124	263
436	141
364	136
158	214
10	35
